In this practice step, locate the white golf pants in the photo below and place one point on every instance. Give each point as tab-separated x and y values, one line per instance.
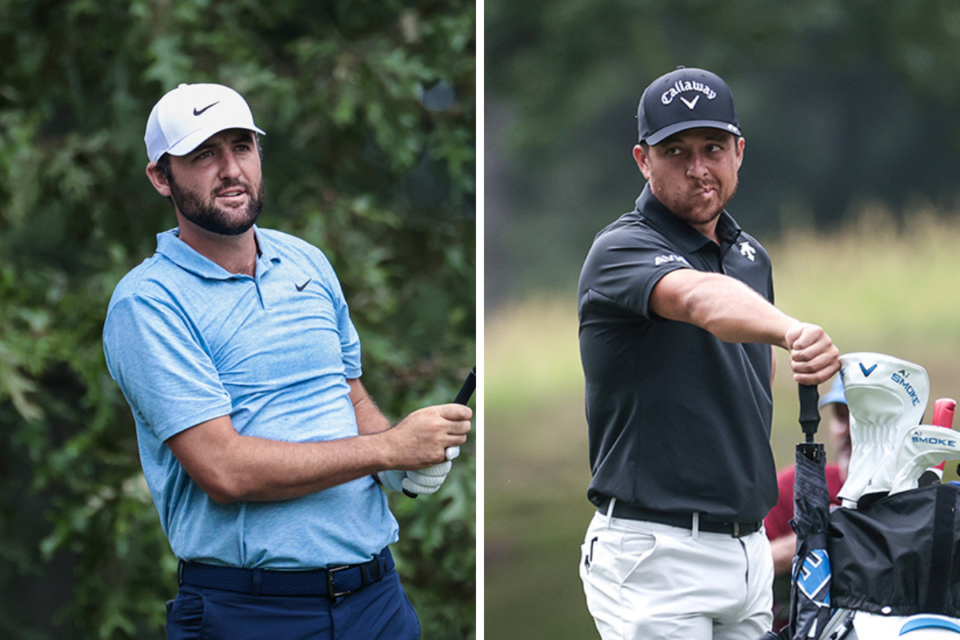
649	581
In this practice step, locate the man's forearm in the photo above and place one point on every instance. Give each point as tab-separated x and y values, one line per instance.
230	467
733	312
369	417
724	306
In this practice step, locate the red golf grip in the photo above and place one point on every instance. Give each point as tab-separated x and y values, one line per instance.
943	410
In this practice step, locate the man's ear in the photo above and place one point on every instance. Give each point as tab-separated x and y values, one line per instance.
158	179
643	160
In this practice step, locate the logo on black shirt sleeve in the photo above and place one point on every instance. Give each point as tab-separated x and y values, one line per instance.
672	258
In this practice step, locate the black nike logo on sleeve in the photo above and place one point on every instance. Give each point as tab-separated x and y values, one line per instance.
197	112
301	287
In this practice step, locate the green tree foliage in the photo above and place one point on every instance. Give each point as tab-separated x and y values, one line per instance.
369	109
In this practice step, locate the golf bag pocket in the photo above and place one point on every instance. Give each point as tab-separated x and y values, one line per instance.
900	555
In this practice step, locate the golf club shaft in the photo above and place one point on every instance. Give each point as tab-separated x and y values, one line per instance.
810	422
463	397
466	391
809	413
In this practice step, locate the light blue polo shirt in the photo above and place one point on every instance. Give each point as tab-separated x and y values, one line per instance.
188	342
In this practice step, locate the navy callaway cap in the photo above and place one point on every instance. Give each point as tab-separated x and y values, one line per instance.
685	99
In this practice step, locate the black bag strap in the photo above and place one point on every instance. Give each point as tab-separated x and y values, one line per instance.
942	556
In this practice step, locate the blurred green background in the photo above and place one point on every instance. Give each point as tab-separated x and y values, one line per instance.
369	108
850	179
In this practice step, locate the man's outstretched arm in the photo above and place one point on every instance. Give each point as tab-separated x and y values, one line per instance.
733	312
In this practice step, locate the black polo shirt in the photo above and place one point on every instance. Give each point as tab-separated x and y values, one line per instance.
679	420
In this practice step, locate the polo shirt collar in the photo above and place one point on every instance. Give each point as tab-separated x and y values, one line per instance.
187	258
679	231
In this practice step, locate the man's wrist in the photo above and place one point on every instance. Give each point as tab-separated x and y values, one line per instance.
793	330
381	450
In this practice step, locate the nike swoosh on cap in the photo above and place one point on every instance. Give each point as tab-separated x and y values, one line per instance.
198	112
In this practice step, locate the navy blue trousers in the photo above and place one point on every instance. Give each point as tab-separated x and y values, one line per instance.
378	611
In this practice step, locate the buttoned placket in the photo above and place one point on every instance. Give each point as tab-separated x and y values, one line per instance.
261	268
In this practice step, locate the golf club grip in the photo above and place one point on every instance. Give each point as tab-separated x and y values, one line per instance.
463	397
809	413
466	391
943	410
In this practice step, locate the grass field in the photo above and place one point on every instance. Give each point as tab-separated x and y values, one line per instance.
874	287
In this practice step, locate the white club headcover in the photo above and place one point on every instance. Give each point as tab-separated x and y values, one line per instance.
922	447
886	396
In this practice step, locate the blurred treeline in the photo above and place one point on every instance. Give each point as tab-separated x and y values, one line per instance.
844	104
369	107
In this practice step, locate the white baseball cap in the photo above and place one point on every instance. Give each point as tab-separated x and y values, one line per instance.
191	113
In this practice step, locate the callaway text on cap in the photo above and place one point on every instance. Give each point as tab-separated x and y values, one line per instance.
685	99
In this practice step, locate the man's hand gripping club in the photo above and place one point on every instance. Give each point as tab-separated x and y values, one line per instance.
427	481
420	442
813	356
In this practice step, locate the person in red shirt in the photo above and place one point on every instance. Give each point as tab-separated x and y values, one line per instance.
783	540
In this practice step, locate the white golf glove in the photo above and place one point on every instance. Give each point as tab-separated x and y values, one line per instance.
392	480
886	397
427	481
422	482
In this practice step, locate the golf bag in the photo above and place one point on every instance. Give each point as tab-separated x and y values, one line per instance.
886	565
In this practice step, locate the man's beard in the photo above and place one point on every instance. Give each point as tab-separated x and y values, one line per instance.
678	204
209	217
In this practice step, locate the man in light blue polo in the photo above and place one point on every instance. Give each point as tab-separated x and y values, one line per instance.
234	347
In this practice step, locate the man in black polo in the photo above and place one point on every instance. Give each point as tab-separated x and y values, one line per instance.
676	327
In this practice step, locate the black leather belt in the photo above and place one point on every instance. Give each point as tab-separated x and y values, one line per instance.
682	520
332	582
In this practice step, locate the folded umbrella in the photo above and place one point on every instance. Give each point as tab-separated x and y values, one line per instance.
810	591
